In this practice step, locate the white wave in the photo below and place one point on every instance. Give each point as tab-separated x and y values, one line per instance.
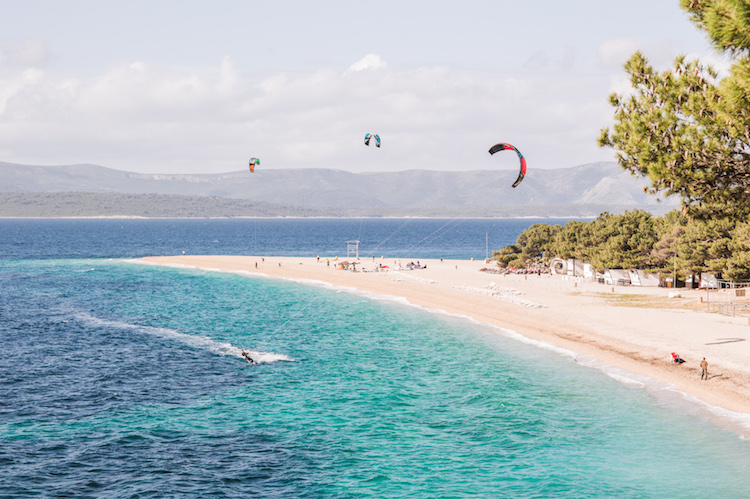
565	352
626	380
734	421
154	264
195	341
738	422
266	357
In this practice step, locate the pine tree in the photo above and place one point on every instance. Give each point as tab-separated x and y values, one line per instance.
685	129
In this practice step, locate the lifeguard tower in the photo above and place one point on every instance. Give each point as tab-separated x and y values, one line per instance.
352	247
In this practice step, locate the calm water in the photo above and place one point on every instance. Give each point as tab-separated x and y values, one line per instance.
425	238
125	380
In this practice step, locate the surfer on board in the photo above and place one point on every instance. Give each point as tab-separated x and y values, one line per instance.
247	356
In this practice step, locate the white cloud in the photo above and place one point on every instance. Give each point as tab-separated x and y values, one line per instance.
142	118
568	58
614	53
14	85
28	52
621	85
229	77
721	63
537	60
370	61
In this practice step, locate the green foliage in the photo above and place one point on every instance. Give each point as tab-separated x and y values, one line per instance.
738	262
506	255
688	132
725	21
536	240
685	130
566	243
532	245
669	229
637	239
622	241
610	241
702	246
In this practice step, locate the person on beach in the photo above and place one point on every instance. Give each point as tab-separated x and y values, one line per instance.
247	356
704	369
676	358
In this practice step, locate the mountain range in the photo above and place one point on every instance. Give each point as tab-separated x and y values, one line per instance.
584	190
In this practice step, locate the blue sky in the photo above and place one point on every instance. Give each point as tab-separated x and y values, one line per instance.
199	87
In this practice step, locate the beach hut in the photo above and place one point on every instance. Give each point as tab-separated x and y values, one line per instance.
572	267
575	267
617	277
589	272
641	278
709	281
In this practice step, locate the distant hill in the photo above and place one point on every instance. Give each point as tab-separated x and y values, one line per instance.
96	204
584	190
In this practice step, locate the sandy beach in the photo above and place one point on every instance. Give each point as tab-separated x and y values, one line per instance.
627	327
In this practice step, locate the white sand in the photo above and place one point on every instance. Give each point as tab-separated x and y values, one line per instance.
631	327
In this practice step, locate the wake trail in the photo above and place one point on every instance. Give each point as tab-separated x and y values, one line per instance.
195	341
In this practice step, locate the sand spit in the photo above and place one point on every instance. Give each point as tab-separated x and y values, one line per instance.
626	327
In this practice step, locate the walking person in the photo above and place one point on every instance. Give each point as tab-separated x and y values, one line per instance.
704	369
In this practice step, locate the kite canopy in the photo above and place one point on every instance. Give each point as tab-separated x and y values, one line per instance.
504	147
253	162
370	136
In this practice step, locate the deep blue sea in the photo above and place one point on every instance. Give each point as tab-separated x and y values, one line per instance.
119	379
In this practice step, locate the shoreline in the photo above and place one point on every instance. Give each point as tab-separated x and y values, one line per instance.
625	327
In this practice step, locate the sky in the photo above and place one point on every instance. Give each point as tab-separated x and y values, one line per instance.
202	86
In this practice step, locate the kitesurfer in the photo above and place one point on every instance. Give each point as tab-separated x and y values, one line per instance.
247	356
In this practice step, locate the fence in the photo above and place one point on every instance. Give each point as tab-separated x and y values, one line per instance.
729	297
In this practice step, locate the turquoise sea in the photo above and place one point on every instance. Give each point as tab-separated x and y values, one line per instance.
119	379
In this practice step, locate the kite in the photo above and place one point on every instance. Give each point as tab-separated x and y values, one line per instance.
505	147
371	135
253	162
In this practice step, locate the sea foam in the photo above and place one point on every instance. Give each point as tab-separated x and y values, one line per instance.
195	341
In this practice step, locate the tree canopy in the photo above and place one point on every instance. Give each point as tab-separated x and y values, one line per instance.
686	129
638	240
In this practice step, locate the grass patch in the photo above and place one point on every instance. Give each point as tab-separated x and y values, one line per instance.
650	301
